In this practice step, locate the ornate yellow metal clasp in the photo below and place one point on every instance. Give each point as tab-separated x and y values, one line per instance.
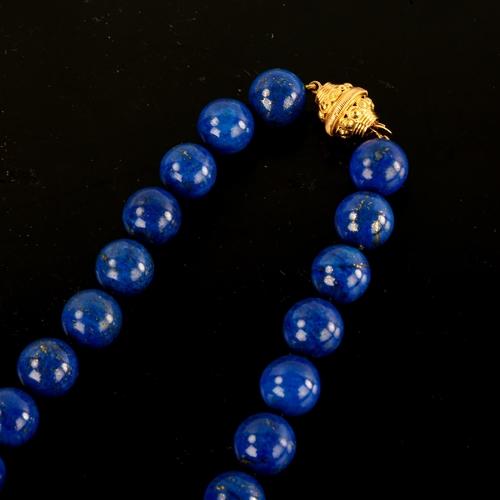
346	110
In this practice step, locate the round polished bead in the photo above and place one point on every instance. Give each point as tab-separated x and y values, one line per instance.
124	267
188	170
226	125
48	367
277	96
341	272
234	486
92	317
313	327
291	385
2	473
265	443
18	417
379	165
152	215
364	220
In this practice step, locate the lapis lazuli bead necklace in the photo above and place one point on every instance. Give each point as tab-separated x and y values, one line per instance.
264	443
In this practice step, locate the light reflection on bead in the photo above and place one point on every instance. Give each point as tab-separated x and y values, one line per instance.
48	367
92	317
364	220
341	272
265	443
18	417
234	486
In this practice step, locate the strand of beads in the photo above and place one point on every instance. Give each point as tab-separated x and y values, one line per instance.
313	327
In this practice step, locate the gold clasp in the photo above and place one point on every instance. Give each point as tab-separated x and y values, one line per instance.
346	110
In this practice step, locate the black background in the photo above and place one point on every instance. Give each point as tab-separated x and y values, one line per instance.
93	93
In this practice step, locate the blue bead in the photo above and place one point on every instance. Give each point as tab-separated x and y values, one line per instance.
188	170
234	486
2	474
291	385
265	443
92	317
18	417
152	215
226	126
379	165
277	96
313	327
124	267
364	220
341	272
48	367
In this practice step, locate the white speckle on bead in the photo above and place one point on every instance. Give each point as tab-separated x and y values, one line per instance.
283	442
79	314
278	380
34	363
328	269
214	121
215	131
176	167
325	335
376	227
112	274
58	374
289	447
251	451
221	496
236	131
402	173
65	367
358	273
139	211
315	389
352	280
267	103
353	227
112	263
331	326
199	177
21	422
279	391
353	215
301	323
35	375
337	333
364	279
367	162
252	438
387	226
302	392
266	93
367	173
135	274
177	176
140	223
168	215
103	325
141	267
390	173
308	383
204	170
287	102
329	280
242	125
277	451
301	335
80	327
381	219
396	165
